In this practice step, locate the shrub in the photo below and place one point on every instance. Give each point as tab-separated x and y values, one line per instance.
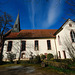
68	61
49	56
43	57
31	55
22	61
11	57
38	58
35	60
57	64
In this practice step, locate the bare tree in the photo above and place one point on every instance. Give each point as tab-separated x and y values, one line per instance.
5	25
18	50
70	9
69	46
67	42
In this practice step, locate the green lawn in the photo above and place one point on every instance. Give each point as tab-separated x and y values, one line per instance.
46	70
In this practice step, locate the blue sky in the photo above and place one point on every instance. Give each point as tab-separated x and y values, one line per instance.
38	14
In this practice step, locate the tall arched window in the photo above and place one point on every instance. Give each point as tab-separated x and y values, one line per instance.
72	36
59	40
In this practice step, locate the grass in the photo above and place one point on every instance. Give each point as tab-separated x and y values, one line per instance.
67	71
53	69
8	65
47	69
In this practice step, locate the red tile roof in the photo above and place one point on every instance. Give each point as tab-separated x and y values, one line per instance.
41	33
12	35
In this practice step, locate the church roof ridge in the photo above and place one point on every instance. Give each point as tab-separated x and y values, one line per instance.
40	33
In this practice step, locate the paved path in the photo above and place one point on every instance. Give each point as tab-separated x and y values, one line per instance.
20	70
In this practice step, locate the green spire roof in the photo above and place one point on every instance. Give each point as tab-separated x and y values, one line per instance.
16	27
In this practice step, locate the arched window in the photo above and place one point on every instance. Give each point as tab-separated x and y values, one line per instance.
23	45
49	44
72	36
59	40
59	55
36	45
9	46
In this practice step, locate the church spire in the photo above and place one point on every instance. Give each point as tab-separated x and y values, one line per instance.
16	27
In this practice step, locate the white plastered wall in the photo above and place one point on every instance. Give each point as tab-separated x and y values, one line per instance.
16	46
65	38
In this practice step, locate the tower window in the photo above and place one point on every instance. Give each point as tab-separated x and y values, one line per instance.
59	55
9	46
36	45
23	45
72	36
48	45
16	26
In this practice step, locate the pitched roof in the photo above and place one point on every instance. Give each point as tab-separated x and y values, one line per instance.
42	33
62	26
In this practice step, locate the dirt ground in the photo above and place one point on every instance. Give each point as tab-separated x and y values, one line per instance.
21	70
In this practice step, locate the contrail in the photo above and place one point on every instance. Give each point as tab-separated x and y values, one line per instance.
31	11
54	12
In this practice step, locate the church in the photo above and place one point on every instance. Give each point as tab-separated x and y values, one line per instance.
23	43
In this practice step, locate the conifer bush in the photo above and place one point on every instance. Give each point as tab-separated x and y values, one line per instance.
36	60
49	56
43	57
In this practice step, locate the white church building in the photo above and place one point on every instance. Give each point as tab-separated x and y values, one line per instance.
58	42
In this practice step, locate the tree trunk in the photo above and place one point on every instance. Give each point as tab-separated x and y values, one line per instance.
1	48
19	56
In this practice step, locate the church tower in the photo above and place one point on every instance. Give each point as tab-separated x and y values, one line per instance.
16	27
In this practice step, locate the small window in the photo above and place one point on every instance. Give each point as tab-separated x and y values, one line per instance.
59	40
22	55
16	26
70	25
72	36
64	54
59	55
9	46
48	45
36	45
23	45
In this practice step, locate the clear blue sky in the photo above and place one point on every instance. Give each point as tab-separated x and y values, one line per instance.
38	14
